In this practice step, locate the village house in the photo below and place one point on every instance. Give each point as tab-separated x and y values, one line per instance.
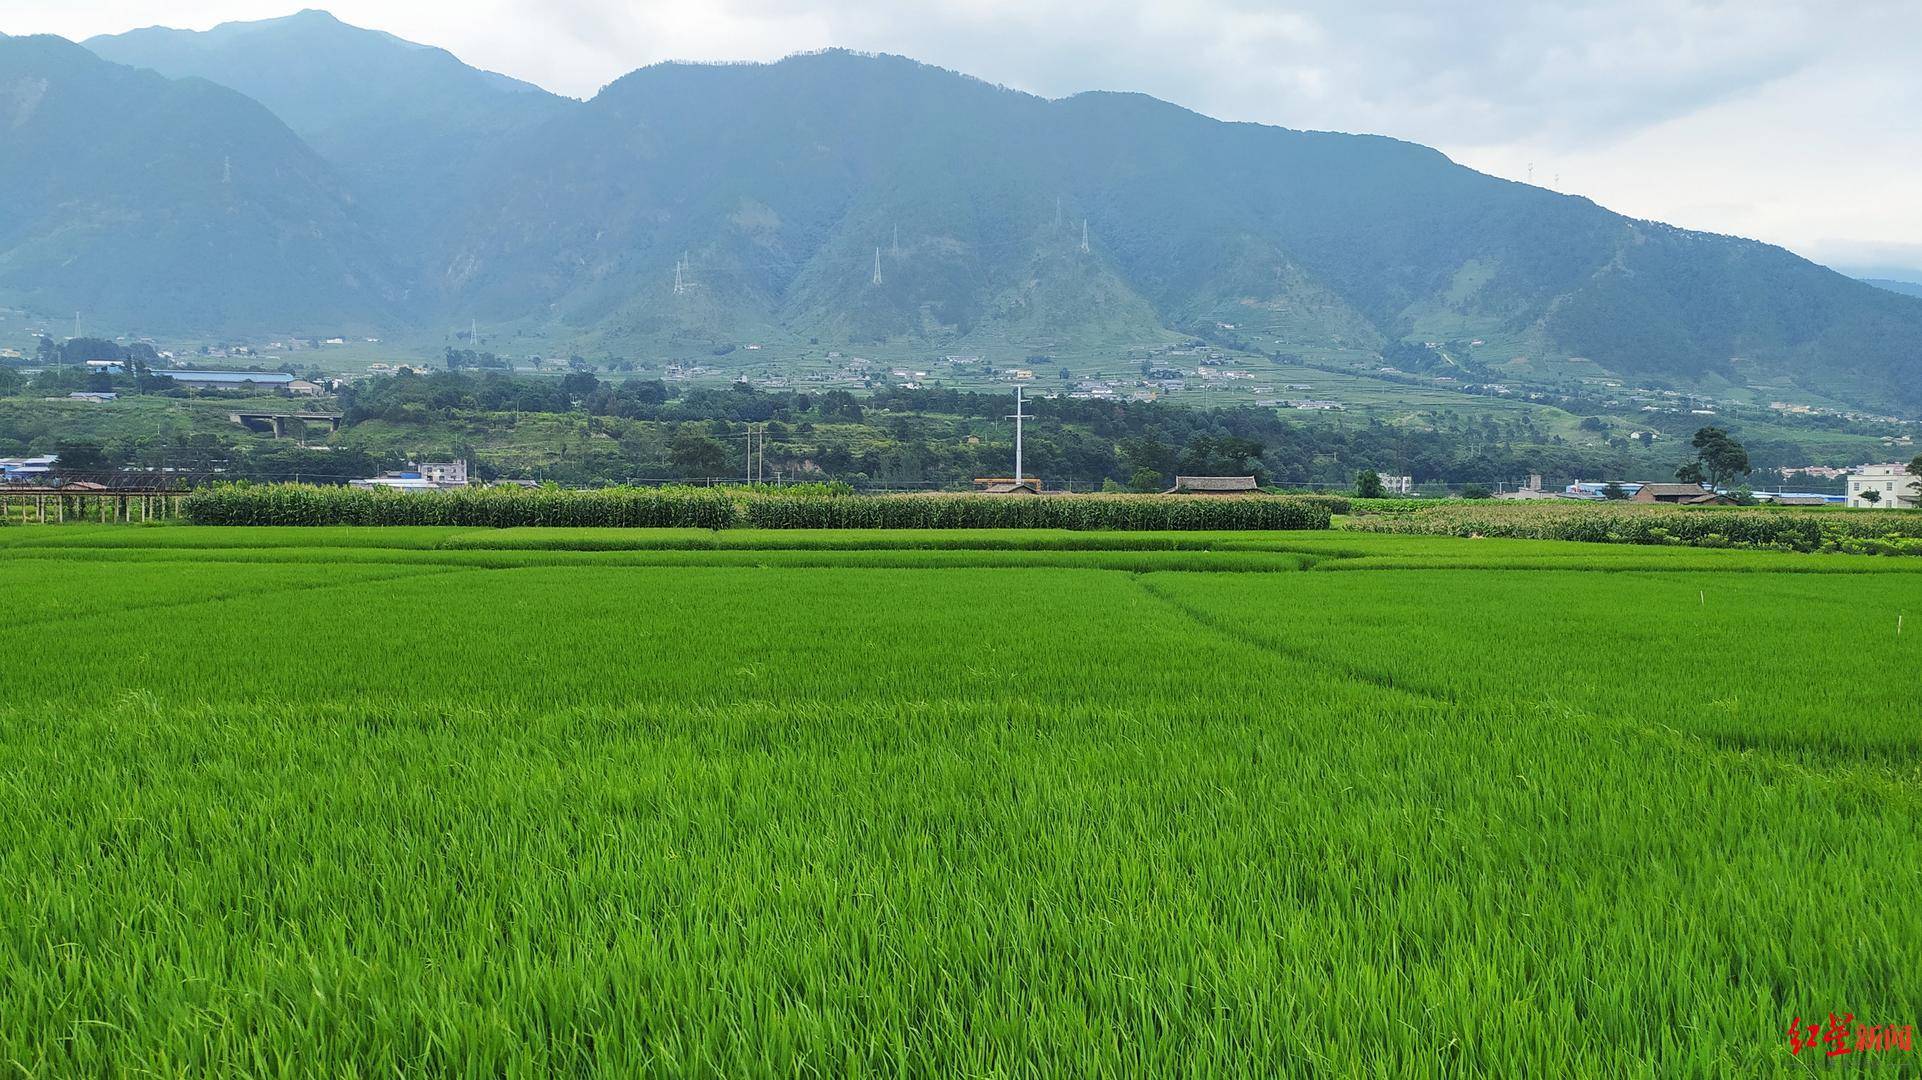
1891	483
1680	495
1213	485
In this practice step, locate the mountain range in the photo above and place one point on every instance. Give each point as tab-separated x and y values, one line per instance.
300	173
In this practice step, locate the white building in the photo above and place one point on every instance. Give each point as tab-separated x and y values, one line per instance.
424	476
1892	484
444	473
1397	485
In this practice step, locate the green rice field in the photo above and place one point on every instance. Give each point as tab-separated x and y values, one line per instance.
340	801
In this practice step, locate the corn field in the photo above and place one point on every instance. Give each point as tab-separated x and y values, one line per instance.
1866	532
721	508
1130	512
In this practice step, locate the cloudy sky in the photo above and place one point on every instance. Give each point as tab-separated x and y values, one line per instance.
1793	121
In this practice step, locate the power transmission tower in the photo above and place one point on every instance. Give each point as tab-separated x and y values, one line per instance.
1017	417
1057	213
1084	236
877	266
680	284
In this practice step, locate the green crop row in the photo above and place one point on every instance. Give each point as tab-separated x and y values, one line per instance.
307	504
1870	532
1136	512
714	508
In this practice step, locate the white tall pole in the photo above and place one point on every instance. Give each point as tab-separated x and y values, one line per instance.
1019	416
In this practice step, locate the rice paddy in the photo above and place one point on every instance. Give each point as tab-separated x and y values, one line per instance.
526	802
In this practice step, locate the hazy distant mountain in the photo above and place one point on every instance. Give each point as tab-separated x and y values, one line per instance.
399	121
144	202
1906	288
773	193
779	182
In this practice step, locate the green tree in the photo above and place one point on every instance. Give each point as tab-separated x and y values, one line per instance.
1613	491
1148	454
1719	459
1476	491
1145	479
1226	455
80	461
1871	496
1368	484
1915	470
696	455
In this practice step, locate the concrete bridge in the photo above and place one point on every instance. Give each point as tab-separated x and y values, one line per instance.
265	422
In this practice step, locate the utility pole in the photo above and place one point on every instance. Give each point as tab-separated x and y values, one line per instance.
877	266
897	242
1084	236
1017	418
750	455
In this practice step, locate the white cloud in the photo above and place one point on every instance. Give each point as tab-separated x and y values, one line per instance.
1783	119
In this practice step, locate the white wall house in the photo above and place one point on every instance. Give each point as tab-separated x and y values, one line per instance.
1892	484
444	473
1396	485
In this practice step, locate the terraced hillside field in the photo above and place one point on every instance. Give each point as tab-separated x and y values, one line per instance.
624	802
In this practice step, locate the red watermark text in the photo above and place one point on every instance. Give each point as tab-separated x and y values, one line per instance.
1843	1035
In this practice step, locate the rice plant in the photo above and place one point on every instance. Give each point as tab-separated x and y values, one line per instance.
339	808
